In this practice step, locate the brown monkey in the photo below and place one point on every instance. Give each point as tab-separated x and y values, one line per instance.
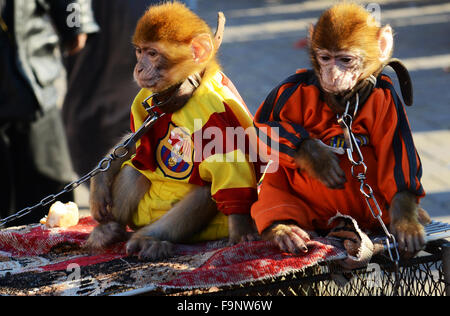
348	51
171	188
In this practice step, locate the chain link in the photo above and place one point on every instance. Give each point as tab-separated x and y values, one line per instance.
120	151
359	172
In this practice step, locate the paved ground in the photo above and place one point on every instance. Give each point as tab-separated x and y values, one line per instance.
260	50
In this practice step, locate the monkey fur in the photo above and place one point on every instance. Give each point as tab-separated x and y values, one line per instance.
347	46
172	44
321	162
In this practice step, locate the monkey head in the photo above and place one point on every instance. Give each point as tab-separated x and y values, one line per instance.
347	45
171	43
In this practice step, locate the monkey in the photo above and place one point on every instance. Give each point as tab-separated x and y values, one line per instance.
348	51
168	188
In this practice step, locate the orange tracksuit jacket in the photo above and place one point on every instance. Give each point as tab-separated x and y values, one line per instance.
295	107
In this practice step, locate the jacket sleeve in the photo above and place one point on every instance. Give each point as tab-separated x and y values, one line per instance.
226	164
399	165
280	139
233	182
71	17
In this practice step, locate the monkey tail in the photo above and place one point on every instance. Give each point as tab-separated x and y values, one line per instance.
218	37
404	80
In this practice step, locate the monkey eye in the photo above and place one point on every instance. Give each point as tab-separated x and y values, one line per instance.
138	50
346	60
152	53
325	57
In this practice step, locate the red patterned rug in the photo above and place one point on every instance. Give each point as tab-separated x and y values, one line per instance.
35	260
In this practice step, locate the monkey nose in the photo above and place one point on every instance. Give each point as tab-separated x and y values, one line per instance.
335	73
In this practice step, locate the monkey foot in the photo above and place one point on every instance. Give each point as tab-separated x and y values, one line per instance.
105	235
253	236
149	248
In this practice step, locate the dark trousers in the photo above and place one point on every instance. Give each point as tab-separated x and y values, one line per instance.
21	184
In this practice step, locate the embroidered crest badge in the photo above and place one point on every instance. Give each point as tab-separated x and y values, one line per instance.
175	152
339	141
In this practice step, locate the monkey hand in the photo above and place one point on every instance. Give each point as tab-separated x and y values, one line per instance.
406	217
321	162
100	199
149	248
241	229
409	234
288	237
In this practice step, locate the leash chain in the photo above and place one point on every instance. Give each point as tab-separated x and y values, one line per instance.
104	165
359	171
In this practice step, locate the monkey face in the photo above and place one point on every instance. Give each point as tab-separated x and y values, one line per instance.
151	67
346	46
172	43
339	71
162	65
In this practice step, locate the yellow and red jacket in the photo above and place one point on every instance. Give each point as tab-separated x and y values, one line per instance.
295	110
178	153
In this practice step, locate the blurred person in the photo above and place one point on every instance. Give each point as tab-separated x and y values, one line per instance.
34	158
96	110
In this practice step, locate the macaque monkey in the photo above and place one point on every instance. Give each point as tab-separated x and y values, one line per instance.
348	51
166	188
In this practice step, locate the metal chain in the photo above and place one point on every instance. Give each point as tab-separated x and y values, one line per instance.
104	165
359	171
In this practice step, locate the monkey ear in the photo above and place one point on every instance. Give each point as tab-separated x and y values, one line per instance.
202	48
385	42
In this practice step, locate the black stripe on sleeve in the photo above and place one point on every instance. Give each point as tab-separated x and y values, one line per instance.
404	132
269	103
297	80
270	143
283	133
